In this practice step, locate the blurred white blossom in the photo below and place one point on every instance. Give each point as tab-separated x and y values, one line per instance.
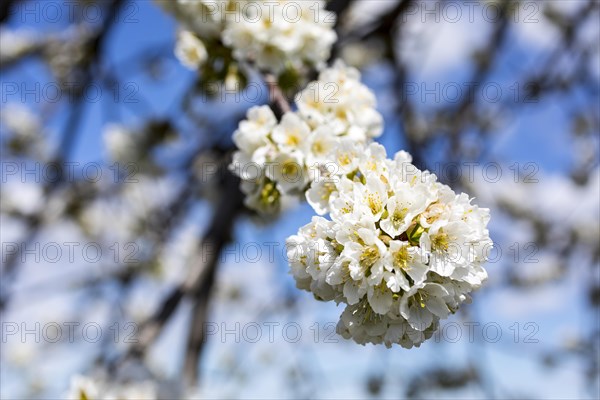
120	142
15	43
21	121
272	34
190	50
275	35
25	198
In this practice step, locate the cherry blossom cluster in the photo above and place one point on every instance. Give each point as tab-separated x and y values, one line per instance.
401	249
277	160
85	387
274	35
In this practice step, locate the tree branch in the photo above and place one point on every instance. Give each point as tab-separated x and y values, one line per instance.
67	142
5	7
200	280
277	99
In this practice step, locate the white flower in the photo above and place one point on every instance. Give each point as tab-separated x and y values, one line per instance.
404	250
273	35
284	160
403	207
287	169
447	247
364	248
423	303
296	247
190	50
319	194
320	144
244	166
291	133
340	100
346	156
262	196
253	132
371	196
405	261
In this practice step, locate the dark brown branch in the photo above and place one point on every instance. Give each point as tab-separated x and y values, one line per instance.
200	279
278	101
218	235
197	338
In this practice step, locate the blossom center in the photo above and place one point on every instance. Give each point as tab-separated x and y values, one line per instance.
369	256
402	258
440	242
399	215
375	203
